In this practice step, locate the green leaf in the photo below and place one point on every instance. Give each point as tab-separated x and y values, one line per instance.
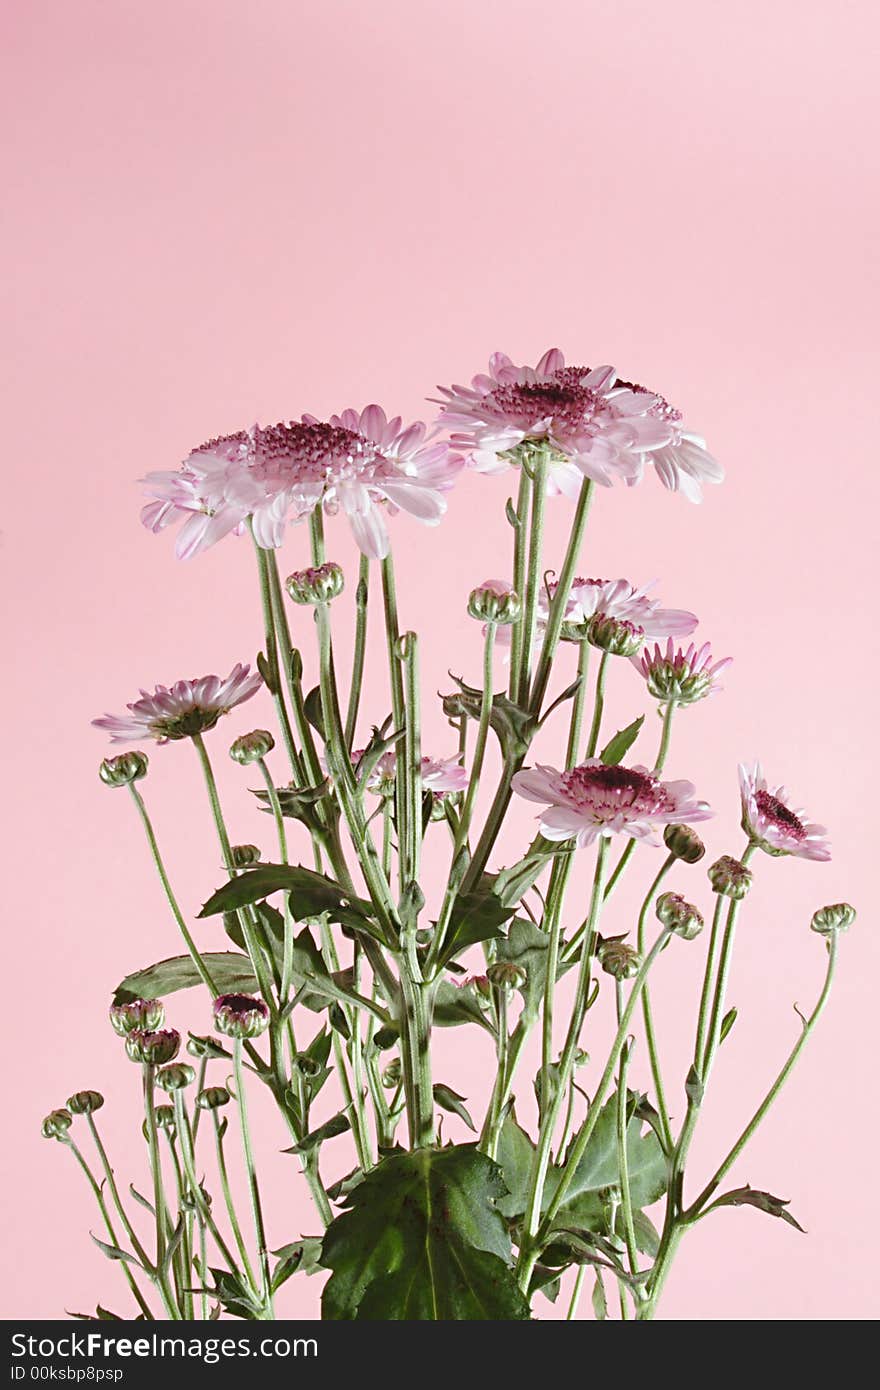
727	1023
113	1252
598	1169
423	1240
455	1004
516	1155
476	916
526	945
299	1256
231	972
450	1100
296	803
646	1233
616	748
235	1295
600	1302
750	1197
514	726
339	1124
311	894
314	709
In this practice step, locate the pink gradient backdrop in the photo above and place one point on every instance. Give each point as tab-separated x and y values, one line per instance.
218	212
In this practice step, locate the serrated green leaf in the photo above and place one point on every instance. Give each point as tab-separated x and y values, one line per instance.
455	1004
232	973
422	1240
763	1201
450	1100
514	726
526	945
598	1169
617	747
477	916
299	1257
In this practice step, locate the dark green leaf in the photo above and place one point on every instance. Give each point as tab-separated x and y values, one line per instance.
598	1169
299	1256
516	1155
423	1240
339	1124
600	1302
235	1295
526	945
456	1004
315	710
450	1100
475	917
750	1197
514	726
646	1233
232	973
617	747
296	803
311	894
727	1023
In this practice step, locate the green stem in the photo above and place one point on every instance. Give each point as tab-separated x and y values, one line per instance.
102	1207
272	657
708	977
647	1012
519	578
149	1074
398	704
576	1293
235	1225
480	745
256	1205
534	574
622	1155
666	731
360	651
578	706
114	1192
556	615
409	653
598	707
287	957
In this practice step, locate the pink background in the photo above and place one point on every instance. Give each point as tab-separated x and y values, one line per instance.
217	213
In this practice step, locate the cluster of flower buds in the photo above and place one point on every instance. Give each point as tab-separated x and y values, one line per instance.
616	636
684	842
138	1016
318	584
730	878
680	916
828	921
124	769
240	1016
153	1049
617	959
494	602
252	747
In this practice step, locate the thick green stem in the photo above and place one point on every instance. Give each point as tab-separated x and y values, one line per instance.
274	672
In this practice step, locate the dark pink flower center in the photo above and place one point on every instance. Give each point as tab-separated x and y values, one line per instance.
309	454
780	815
607	792
561	398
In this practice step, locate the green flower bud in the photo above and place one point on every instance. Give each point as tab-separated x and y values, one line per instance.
730	878
574	632
318	584
614	635
141	1016
306	1066
165	1118
240	1016
153	1049
244	856
205	1047
85	1102
684	842
251	747
212	1098
392	1074
505	974
175	1077
56	1125
494	602
827	921
124	769
617	959
675	912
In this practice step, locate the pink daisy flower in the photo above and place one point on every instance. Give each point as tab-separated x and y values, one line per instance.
682	677
593	428
184	709
362	463
772	823
683	463
596	799
621	600
440	776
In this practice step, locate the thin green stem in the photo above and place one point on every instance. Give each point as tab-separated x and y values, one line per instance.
571	1315
274	673
598	707
665	733
234	1223
253	1185
622	1153
556	615
108	1223
287	955
519	578
360	651
534	573
647	1012
149	1074
578	706
480	745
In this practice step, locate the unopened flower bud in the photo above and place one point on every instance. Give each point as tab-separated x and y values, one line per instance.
391	1075
244	856
250	748
481	985
684	842
681	916
730	878
212	1098
505	974
240	1016
153	1049
202	1047
318	584
834	918
494	602
164	1117
616	636
85	1102
138	1016
56	1125
176	1077
617	959
124	769
306	1066
574	632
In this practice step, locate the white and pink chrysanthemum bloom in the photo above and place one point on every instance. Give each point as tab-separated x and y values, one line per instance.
680	676
597	799
183	709
773	824
683	464
441	777
593	428
360	463
617	599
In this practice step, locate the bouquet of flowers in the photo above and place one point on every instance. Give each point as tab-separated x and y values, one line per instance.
341	967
